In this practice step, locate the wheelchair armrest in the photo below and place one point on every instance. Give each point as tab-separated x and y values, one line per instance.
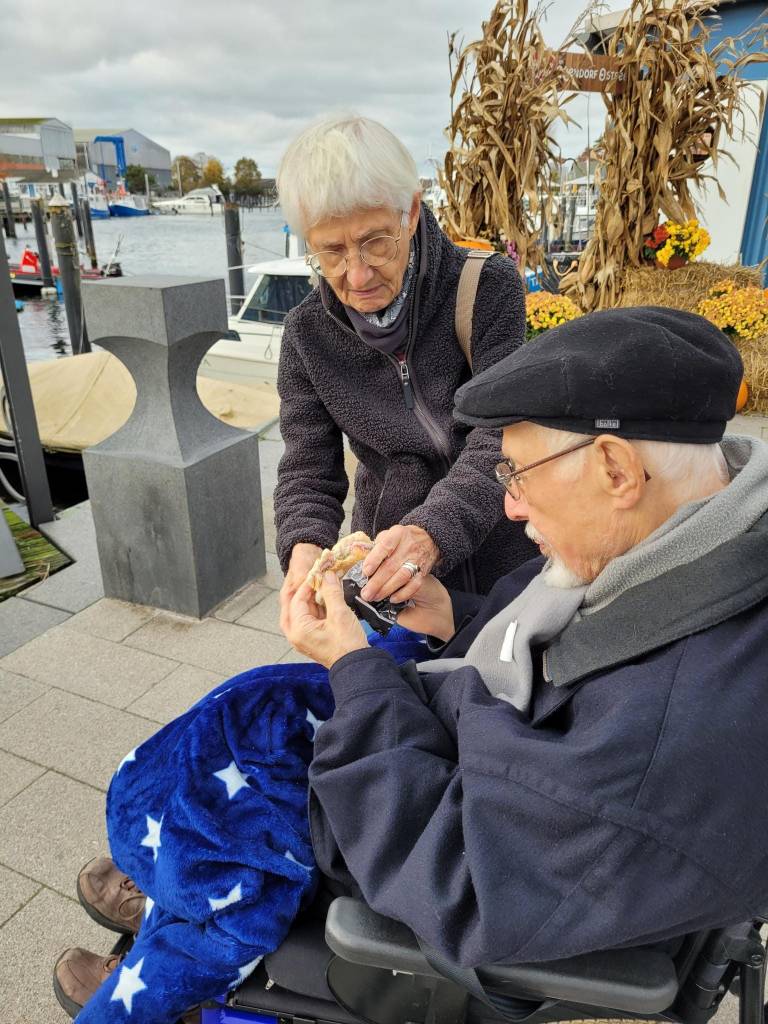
634	980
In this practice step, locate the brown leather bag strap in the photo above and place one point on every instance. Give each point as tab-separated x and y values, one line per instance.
465	299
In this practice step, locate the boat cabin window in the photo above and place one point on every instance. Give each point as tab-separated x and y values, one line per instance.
275	296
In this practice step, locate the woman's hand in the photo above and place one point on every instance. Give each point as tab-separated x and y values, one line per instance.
324	633
303	557
384	564
432	612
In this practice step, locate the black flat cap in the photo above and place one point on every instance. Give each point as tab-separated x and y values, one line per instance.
645	372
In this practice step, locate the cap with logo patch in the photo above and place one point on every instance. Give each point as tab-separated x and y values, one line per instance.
644	372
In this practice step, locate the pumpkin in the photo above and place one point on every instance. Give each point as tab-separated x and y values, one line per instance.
475	243
743	395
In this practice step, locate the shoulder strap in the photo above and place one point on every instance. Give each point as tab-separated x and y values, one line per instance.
465	299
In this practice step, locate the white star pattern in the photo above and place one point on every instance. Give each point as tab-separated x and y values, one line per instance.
314	722
233	896
232	779
130	756
148	907
152	838
289	856
128	984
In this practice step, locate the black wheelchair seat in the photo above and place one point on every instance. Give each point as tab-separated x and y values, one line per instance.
357	966
635	980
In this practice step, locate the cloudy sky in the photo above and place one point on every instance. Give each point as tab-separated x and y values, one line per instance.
240	77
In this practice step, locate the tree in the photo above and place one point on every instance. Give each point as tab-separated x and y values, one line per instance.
186	173
247	180
134	178
213	174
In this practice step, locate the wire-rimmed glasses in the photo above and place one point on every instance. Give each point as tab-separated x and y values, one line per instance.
374	252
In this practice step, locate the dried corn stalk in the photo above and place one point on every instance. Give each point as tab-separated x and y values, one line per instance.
497	175
671	118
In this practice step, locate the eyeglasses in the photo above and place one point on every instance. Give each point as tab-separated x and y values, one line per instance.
508	474
374	252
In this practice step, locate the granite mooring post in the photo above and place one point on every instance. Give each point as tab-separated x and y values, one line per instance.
175	493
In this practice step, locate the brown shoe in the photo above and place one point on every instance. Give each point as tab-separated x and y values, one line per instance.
111	898
78	974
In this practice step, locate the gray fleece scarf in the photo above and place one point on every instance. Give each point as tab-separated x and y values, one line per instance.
501	652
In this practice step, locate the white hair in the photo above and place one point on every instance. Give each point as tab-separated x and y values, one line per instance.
682	467
341	164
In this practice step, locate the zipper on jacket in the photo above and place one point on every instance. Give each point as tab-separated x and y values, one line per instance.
405	381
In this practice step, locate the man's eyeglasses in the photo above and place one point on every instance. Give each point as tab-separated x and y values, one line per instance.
508	474
375	252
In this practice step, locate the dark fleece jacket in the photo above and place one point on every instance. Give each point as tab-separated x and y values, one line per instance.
416	464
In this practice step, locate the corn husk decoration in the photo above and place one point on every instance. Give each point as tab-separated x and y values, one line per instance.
504	104
664	134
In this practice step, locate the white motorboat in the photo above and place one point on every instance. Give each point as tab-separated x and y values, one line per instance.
207	201
252	351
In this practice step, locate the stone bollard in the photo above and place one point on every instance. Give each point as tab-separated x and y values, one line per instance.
175	493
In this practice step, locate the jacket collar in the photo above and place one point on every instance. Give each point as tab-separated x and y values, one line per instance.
686	600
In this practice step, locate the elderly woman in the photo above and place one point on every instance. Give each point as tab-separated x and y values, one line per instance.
372	354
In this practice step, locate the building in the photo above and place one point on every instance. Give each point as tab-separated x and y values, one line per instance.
738	225
100	150
39	149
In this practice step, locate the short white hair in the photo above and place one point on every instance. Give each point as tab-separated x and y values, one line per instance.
681	466
341	164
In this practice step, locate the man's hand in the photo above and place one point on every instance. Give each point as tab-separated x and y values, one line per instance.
433	611
327	633
384	564
303	557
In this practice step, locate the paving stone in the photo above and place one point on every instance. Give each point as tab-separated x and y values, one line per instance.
242	602
30	944
95	668
15	775
270	530
111	619
176	693
51	829
79	737
15	891
220	647
266	615
21	621
16	692
293	657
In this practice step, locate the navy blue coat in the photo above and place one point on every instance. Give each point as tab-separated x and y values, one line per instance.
629	806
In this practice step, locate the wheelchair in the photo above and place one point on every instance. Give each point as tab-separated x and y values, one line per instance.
353	965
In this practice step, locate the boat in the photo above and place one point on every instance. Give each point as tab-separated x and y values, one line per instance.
252	349
27	274
124	204
208	201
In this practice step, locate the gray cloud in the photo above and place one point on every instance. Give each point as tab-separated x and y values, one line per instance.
242	77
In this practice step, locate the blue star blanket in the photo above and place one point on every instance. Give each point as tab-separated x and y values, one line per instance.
209	818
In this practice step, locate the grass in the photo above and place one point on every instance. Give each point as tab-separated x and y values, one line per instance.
39	556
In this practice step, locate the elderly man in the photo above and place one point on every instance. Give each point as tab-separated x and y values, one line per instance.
584	766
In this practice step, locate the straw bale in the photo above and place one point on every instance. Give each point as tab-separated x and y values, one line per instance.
683	288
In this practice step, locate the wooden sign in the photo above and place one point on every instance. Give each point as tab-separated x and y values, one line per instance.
592	73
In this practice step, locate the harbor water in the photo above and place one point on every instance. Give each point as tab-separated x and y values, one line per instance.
188	245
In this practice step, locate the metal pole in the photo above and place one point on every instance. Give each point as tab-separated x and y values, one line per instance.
90	241
569	220
69	275
76	208
13	366
234	255
147	190
36	206
10	224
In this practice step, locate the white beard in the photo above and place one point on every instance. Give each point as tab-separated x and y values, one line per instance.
555	573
